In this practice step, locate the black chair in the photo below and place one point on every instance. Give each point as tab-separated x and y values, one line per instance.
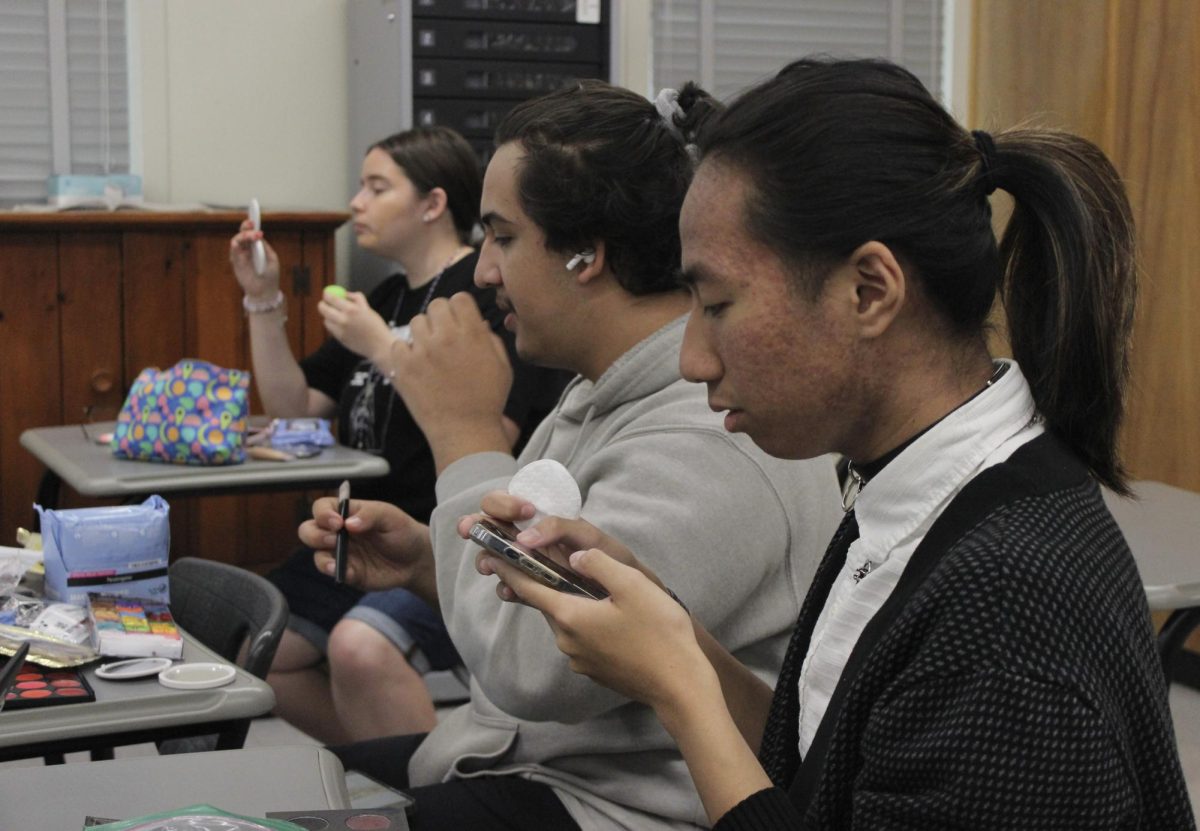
235	613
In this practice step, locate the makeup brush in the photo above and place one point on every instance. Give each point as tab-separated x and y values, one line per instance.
343	537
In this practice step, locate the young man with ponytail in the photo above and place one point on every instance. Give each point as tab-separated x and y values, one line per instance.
976	648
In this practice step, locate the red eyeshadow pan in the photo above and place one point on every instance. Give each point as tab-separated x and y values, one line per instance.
368	822
41	687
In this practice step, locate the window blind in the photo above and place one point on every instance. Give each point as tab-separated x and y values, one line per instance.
60	110
728	45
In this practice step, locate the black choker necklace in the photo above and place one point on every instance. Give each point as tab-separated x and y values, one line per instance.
854	480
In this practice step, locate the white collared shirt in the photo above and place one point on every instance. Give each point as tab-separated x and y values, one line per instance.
895	510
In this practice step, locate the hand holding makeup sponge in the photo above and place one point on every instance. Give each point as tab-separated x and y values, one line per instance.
551	489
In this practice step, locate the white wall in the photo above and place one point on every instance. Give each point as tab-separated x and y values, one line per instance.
248	98
240	99
633	44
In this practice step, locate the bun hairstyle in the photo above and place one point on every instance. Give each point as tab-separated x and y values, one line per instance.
839	153
601	163
438	157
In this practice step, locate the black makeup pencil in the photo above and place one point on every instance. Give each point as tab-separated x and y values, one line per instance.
343	537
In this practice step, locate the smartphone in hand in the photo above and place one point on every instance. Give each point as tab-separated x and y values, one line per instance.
537	565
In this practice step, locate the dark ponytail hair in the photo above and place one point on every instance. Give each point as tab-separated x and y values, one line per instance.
438	157
839	153
1069	287
601	163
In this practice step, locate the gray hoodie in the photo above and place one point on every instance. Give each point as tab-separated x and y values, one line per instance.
735	533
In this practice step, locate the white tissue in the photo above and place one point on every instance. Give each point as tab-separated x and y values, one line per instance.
550	487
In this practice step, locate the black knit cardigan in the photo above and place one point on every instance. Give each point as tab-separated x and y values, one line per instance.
1009	681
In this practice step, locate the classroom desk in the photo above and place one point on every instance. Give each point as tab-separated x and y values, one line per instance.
1162	526
70	455
248	782
133	712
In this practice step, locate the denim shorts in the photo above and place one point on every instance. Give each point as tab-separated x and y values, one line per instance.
411	625
317	604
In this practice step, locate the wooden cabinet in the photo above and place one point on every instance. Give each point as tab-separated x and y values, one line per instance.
89	299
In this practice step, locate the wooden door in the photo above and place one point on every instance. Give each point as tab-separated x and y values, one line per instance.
218	331
30	368
87	300
1124	74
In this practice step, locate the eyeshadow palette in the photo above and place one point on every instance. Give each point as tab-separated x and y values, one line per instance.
36	686
347	819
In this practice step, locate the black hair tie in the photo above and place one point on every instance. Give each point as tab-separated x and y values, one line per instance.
986	146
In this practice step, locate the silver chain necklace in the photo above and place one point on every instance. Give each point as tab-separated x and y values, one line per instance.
855	481
362	411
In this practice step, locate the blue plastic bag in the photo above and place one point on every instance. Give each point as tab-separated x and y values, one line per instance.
121	550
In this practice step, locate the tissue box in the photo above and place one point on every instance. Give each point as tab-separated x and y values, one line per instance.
76	189
122	550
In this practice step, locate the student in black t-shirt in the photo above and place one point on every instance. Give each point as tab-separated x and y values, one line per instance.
418	205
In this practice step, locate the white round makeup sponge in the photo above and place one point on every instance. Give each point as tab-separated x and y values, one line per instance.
550	487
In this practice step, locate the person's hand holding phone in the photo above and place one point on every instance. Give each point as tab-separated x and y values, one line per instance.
496	540
258	287
639	641
558	537
386	549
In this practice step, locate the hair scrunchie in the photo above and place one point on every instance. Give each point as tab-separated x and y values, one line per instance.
667	105
986	146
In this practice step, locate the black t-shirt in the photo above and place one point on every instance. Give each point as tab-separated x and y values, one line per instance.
381	423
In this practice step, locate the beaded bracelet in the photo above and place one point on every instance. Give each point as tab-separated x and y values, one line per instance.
262	307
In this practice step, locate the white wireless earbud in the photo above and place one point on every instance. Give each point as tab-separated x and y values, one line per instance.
585	256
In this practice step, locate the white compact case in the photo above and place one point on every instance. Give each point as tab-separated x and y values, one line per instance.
197	676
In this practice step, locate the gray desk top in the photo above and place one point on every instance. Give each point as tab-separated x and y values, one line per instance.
136	705
248	782
91	469
1162	526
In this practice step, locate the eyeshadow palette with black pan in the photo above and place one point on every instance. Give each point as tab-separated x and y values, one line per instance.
37	686
348	819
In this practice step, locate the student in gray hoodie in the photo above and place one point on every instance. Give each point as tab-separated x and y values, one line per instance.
580	206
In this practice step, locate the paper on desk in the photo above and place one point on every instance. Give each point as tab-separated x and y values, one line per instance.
45	650
27	557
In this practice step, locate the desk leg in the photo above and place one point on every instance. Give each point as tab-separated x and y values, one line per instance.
1174	633
233	738
47	494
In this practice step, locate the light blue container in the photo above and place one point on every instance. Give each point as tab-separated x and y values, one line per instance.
121	550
